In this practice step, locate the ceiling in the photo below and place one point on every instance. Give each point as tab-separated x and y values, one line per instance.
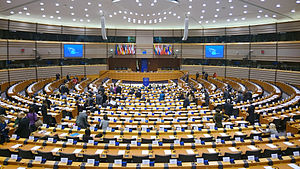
151	14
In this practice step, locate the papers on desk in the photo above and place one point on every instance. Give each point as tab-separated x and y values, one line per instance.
190	136
167	152
35	148
145	152
206	135
99	151
252	147
172	137
239	133
190	152
121	152
63	134
211	150
233	149
55	150
271	145
223	134
153	137
294	166
76	151
288	143
16	146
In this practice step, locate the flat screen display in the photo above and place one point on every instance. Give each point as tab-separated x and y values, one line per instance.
73	50
214	51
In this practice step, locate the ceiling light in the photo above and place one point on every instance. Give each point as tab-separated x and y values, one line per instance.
8	1
216	16
51	17
298	1
140	4
42	9
203	4
89	3
266	16
74	19
243	19
228	20
27	13
41	3
231	7
87	15
178	17
115	1
81	20
25	9
245	12
230	14
174	1
274	16
218	9
57	11
278	6
258	16
12	12
260	11
110	16
59	17
89	20
245	6
235	19
190	6
99	5
218	2
229	1
20	12
293	10
43	16
71	7
72	13
152	4
85	9
57	4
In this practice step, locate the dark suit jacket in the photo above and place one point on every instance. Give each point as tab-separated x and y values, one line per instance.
23	128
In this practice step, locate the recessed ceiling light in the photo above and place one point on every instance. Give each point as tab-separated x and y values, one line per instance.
243	19
230	14
189	13
110	16
203	4
231	7
20	12
115	13
57	4
229	1
293	10
51	17
59	17
298	1
245	6
85	9
218	2
57	11
12	12
206	21
89	3
81	20
152	4
190	6
245	12
178	17
71	7
228	20
42	9
27	13
8	1
87	15
266	16
260	11
124	17
278	6
140	4
201	17
72	13
274	16
89	20
218	9
200	22
42	3
74	20
99	5
216	16
43	16
258	16
25	8
203	11
235	19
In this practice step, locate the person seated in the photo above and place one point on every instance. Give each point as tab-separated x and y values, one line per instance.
3	129
3	111
113	102
23	130
104	123
186	102
228	108
87	135
138	94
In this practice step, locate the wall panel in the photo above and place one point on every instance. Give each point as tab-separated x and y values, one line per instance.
220	70
16	53
125	32
192	51
93	31
193	69
262	74
289	77
237	51
289	52
237	72
195	32
22	74
163	33
73	70
268	54
47	72
260	29
238	31
288	26
22	26
3	50
48	50
49	29
3	24
93	50
73	30
214	32
3	76
95	69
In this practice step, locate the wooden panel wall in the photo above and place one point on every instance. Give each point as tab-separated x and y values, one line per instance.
220	70
15	52
289	77
262	74
3	50
95	69
48	50
95	50
3	75
46	72
237	72
22	74
237	51
289	52
269	50
192	51
73	70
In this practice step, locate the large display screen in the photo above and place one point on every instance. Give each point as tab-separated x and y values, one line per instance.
125	49
163	49
214	51
73	50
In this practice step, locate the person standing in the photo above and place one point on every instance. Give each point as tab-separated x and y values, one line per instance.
82	120
251	114
197	76
32	116
218	119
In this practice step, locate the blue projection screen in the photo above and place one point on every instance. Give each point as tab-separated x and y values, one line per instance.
73	50
214	51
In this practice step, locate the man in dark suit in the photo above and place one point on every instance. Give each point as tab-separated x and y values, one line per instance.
99	98
118	90
82	120
23	127
206	98
228	108
186	102
251	114
3	111
138	94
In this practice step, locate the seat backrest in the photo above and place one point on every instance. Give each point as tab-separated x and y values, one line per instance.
106	140
5	152
255	153
210	156
165	140
144	140
26	154
162	158
187	158
139	159
291	150
188	140
112	158
269	152
226	138
46	155
207	139
69	156
87	156
236	156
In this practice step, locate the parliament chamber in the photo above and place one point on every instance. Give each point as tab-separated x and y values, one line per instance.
150	84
